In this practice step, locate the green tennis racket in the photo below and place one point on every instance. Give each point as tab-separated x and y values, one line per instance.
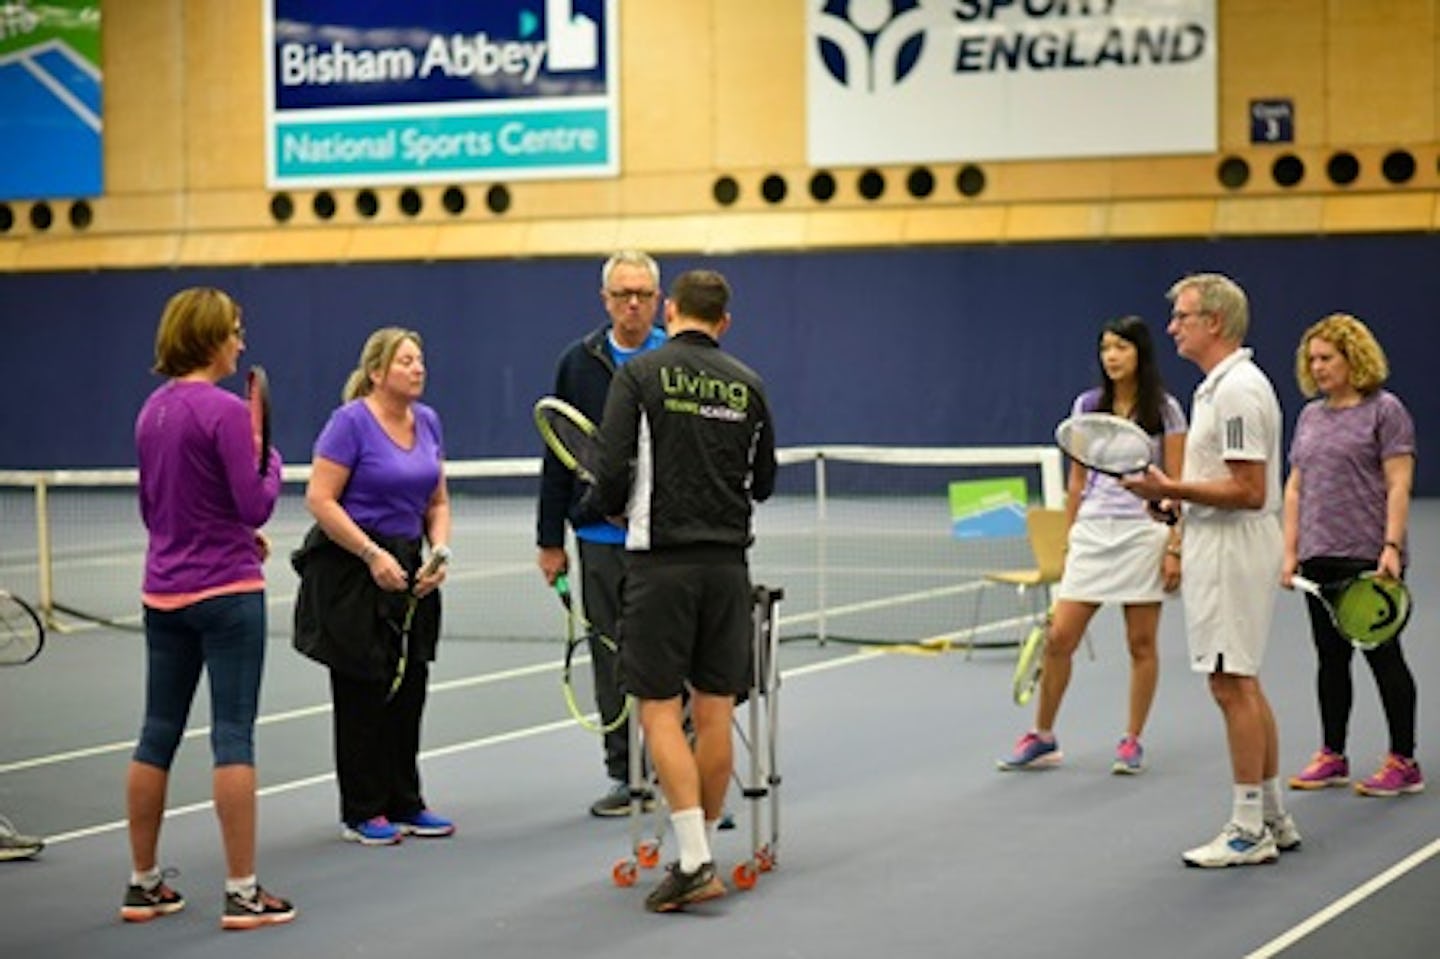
1026	677
577	628
1369	610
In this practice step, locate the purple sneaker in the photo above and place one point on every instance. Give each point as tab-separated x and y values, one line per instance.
1129	757
1326	768
426	825
1398	774
1032	752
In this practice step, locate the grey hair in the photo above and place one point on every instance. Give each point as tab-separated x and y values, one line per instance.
630	258
1221	296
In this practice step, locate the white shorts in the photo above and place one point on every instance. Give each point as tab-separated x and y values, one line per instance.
1114	561
1231	580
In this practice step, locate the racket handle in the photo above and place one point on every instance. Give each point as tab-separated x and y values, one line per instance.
562	588
1305	585
438	558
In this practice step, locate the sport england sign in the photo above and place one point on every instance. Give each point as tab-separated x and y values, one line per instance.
896	81
390	91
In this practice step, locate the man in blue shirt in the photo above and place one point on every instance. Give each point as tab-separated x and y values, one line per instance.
630	292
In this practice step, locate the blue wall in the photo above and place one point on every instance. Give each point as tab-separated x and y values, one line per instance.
925	346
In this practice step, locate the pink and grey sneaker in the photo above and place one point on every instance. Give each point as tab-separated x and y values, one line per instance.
1129	757
1397	774
1327	768
1032	752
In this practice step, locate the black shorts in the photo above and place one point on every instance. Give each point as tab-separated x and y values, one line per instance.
686	619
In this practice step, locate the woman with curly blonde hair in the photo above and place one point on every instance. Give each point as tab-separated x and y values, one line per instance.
1347	502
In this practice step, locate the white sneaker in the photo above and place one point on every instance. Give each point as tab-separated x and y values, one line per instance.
1286	833
1233	847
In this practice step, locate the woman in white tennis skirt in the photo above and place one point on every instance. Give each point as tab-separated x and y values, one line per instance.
1116	554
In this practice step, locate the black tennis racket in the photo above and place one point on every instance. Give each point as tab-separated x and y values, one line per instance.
257	392
1026	678
1369	610
1111	445
573	638
22	633
570	436
439	558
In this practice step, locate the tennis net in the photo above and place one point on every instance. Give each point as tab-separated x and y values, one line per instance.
871	543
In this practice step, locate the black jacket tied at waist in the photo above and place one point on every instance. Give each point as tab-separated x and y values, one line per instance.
346	622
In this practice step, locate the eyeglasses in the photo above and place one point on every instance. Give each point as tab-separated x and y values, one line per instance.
239	330
640	296
1180	316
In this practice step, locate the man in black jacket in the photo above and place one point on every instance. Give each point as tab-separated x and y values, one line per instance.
686	445
630	292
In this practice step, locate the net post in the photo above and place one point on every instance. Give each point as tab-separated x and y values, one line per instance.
1052	478
43	570
822	599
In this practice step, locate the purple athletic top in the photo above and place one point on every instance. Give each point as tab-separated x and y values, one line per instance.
389	488
1340	453
200	494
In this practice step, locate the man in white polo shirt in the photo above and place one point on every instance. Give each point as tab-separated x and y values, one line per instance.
1230	488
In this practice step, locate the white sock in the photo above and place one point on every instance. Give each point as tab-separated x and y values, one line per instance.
689	825
245	886
712	827
147	880
1270	795
1249	811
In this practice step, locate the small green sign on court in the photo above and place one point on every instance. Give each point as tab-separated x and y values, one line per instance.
988	507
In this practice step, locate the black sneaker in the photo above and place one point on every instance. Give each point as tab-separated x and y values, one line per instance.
252	912
679	889
142	905
616	802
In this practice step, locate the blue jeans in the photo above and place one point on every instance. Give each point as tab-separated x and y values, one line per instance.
224	635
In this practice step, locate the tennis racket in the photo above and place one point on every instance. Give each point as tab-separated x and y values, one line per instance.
570	436
573	638
439	558
1369	610
22	634
1026	678
257	392
1111	445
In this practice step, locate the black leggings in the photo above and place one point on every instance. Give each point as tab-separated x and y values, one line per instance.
1333	683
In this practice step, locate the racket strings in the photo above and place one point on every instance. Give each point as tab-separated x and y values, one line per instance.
1106	446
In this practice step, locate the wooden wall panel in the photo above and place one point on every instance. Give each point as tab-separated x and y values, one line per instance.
666	86
145	134
224	95
759	84
713	88
1380	71
1272	49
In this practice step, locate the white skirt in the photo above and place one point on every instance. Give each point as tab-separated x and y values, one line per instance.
1114	561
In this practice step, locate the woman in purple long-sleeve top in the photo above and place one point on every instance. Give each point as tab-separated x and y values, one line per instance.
203	503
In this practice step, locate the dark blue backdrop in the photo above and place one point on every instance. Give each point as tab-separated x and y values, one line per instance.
925	346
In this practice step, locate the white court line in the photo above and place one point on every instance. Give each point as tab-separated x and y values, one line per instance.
1345	903
271	719
497	739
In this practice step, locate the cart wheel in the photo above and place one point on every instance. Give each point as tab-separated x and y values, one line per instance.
765	858
624	873
745	875
648	854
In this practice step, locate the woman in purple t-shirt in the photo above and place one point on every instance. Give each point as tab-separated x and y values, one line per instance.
377	491
1347	502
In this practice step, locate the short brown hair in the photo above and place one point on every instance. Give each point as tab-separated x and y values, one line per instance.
195	323
701	295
